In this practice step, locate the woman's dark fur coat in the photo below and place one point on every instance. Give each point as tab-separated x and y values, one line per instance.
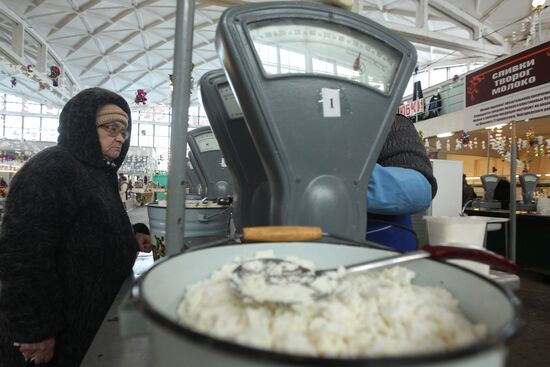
66	244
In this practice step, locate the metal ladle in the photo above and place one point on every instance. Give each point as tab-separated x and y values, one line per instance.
268	280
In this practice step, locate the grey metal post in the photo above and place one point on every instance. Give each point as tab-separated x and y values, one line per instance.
488	151
183	51
512	207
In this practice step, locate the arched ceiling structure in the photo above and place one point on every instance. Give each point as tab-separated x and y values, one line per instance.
125	45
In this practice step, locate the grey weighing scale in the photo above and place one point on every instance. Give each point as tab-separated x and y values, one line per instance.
251	201
209	161
528	183
489	183
320	109
201	185
207	216
192	178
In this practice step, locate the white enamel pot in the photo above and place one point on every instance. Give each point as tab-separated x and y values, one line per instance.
159	291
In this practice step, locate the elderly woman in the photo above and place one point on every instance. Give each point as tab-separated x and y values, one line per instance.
67	244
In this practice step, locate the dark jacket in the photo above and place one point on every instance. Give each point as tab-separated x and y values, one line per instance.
66	244
402	148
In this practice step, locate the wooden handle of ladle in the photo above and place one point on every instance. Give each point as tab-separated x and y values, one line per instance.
282	233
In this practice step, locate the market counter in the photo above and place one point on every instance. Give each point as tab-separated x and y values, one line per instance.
532	238
109	348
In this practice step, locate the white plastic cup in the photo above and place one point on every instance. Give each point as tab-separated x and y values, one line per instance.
461	232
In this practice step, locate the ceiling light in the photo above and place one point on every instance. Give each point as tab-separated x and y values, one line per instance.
537	5
444	135
495	127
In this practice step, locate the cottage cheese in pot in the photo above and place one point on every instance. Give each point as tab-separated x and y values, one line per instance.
374	314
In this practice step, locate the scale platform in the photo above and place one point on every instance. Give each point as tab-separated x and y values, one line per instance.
531	207
507	280
482	204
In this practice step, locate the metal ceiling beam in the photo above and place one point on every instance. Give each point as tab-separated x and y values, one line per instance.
444	41
124	41
35	4
69	17
400	12
156	45
491	10
422	14
481	30
158	66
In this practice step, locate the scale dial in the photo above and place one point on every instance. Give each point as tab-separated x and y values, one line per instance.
207	142
230	102
305	46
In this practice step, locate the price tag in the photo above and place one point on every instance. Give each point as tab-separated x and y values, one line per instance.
330	98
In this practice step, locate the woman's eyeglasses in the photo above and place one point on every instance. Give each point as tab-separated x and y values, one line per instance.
114	129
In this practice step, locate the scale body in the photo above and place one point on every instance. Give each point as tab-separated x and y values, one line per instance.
318	126
192	177
201	185
489	183
207	159
251	198
528	183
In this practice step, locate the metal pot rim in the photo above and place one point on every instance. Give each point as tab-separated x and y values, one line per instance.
492	341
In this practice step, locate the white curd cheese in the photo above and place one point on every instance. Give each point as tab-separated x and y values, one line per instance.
378	313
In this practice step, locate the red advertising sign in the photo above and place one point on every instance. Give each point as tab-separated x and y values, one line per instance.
513	89
413	107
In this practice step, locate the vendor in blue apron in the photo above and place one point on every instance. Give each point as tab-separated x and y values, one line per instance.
401	184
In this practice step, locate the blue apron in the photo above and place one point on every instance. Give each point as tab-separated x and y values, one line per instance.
386	234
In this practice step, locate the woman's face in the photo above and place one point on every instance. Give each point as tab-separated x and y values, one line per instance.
112	125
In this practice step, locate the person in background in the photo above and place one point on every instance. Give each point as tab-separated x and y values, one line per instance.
67	244
502	193
122	188
468	193
3	187
401	184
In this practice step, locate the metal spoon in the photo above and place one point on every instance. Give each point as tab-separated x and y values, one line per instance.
280	281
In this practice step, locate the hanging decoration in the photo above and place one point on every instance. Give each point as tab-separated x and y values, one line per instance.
458	144
55	72
171	81
483	145
426	143
13	82
30	69
41	86
448	145
465	138
438	145
141	97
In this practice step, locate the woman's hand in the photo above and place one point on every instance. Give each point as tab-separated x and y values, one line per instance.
38	353
144	242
